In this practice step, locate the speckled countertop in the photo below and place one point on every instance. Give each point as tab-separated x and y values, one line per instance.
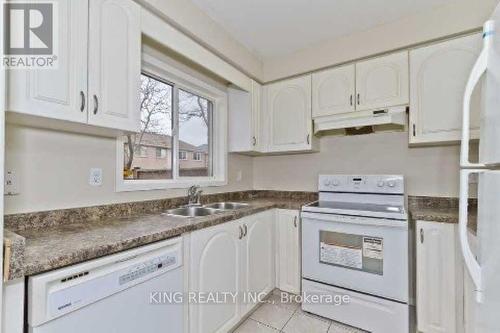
65	244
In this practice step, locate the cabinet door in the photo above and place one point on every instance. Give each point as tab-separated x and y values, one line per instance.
288	248
382	82
257	140
438	75
436	277
59	93
288	106
215	266
259	276
333	91
114	64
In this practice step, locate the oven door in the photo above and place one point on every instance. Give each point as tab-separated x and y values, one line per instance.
369	255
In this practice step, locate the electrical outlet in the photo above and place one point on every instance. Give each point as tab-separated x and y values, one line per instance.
11	186
95	177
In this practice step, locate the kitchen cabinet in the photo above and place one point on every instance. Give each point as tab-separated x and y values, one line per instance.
382	82
232	257
333	91
289	118
288	251
245	108
97	80
438	76
259	262
439	276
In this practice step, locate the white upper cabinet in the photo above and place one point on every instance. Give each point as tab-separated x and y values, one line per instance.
114	64
97	80
382	82
289	119
245	119
438	75
57	93
333	91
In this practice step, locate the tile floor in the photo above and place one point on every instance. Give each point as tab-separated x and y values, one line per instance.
274	316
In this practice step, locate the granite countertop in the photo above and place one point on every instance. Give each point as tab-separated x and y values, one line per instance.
65	244
442	211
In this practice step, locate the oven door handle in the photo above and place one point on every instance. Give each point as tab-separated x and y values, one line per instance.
308	217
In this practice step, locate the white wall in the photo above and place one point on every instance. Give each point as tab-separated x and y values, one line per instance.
454	18
429	171
53	170
193	22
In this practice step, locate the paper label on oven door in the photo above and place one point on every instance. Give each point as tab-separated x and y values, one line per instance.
373	248
340	255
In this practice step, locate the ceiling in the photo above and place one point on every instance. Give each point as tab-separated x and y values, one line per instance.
273	28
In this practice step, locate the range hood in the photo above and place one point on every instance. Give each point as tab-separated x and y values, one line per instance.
394	117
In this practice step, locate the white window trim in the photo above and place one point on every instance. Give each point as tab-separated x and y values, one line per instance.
185	154
197	154
218	97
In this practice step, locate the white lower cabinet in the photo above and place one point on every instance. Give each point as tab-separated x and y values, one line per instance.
439	278
234	257
288	251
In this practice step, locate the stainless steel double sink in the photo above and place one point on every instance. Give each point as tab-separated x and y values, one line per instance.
205	210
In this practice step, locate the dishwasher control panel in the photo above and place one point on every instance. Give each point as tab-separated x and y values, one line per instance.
146	268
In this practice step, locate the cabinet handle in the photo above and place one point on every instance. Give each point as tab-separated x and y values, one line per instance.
350	99
421	235
359	98
414	130
254	140
308	138
246	230
241	233
82	105
295	221
96	104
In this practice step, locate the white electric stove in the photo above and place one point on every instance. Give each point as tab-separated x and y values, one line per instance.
355	244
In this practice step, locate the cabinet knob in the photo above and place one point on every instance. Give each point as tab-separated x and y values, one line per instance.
295	221
241	232
308	138
359	98
421	235
350	99
254	140
245	230
82	104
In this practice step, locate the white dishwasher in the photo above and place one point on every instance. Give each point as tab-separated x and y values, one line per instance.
113	294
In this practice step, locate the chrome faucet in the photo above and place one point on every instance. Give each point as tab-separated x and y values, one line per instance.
194	195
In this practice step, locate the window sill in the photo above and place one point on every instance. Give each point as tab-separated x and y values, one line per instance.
147	185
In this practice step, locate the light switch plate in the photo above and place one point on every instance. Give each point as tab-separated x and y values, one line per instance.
11	186
95	177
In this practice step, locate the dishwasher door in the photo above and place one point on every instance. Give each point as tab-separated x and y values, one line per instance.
135	291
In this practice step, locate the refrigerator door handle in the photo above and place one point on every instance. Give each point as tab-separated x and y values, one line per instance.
477	72
470	260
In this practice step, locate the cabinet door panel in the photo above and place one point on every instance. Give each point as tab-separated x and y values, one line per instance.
288	251
438	75
382	82
57	93
114	64
289	112
215	262
333	91
436	278
259	254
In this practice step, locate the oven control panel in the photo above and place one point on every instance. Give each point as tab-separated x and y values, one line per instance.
390	184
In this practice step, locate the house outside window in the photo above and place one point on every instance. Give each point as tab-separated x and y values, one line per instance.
180	117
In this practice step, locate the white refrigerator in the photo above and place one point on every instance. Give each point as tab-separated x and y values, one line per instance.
482	252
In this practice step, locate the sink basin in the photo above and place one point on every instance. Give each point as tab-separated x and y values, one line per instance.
227	205
192	211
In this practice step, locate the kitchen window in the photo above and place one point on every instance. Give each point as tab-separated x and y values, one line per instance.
183	122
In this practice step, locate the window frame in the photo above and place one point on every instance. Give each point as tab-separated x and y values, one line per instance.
156	67
197	153
185	155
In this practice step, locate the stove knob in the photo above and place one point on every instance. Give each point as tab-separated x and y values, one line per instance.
391	184
327	183
335	182
381	183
